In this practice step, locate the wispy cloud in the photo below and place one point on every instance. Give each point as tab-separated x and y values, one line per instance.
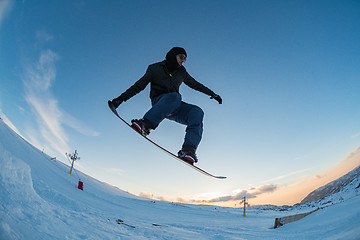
39	78
114	171
43	36
249	193
288	175
355	135
146	195
79	126
5	7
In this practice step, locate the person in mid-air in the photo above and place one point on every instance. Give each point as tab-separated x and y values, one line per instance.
165	79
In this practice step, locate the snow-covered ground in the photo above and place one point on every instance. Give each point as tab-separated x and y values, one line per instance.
39	199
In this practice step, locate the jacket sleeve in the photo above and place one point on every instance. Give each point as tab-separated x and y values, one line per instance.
138	86
192	83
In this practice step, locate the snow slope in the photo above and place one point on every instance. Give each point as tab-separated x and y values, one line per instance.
40	200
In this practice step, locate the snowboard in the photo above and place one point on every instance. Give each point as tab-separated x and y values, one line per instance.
111	106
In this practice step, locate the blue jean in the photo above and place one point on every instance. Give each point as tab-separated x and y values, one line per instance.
170	106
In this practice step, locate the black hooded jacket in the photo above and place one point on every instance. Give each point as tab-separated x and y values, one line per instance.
162	81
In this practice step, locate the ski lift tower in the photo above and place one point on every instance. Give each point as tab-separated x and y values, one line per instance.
245	203
73	158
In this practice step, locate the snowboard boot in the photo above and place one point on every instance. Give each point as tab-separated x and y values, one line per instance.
188	155
142	126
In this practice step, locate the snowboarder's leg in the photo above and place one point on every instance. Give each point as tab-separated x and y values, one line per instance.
191	116
162	107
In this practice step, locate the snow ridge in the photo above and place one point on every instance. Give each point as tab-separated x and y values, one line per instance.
333	187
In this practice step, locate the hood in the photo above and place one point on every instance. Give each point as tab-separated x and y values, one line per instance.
170	59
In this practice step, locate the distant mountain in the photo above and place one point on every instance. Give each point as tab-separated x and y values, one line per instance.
333	187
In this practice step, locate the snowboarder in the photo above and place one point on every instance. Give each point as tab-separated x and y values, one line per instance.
165	79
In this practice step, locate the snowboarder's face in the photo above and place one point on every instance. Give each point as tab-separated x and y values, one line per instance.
181	58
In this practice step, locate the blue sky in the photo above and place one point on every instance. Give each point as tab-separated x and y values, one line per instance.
288	73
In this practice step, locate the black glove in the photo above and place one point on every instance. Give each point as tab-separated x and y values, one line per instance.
217	98
116	102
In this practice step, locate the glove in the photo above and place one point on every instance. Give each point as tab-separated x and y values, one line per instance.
116	102
217	98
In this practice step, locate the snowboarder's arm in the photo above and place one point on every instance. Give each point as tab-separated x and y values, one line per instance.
191	82
137	87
